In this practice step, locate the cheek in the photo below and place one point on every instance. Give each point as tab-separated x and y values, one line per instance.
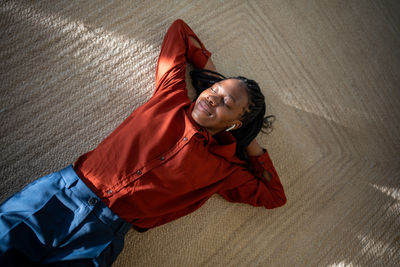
225	116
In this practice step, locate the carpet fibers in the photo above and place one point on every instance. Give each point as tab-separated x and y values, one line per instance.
72	71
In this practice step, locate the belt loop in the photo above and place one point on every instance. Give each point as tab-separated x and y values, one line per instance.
69	176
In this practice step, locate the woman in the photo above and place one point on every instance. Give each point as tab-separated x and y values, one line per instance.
163	162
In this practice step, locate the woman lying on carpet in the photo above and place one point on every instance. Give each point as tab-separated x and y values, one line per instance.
163	162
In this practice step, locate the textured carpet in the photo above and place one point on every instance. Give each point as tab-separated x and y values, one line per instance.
71	71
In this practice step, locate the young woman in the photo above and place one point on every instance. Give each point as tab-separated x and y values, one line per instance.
163	162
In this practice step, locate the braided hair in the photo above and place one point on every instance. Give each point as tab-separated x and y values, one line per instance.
254	120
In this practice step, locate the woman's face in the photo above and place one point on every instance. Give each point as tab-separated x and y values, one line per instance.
221	106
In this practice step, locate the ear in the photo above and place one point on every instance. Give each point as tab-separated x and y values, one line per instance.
238	124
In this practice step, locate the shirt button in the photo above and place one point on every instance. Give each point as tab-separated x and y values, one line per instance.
162	158
109	192
262	162
138	172
185	139
92	201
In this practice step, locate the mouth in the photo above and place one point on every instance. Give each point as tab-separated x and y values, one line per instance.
204	106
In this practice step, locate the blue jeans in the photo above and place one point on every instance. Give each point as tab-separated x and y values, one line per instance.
58	221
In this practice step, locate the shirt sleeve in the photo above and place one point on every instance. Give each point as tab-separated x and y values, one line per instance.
249	186
175	50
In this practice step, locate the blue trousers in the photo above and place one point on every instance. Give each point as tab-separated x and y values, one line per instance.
58	221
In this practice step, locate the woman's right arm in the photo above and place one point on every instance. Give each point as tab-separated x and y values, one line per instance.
177	47
210	64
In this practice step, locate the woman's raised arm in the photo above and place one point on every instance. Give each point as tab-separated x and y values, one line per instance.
177	47
210	64
259	187
255	150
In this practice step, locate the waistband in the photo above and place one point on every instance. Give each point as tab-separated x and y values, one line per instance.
92	201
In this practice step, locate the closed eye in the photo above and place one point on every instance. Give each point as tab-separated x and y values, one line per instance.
226	103
225	100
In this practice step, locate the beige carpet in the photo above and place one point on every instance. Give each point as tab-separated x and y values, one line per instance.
71	71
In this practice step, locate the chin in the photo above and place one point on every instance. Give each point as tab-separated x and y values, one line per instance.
198	118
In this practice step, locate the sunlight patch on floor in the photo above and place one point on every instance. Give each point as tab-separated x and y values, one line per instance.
389	191
376	248
96	47
342	264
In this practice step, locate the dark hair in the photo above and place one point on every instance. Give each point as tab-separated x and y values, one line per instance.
253	120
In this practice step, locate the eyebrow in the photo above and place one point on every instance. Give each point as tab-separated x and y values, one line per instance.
229	95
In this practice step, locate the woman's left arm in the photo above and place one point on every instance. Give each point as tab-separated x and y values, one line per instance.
259	187
254	150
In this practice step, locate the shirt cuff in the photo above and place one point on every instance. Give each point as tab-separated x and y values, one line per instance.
198	56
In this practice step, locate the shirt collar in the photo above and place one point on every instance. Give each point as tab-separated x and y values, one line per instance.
222	144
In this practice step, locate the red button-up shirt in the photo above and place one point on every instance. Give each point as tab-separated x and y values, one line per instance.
159	164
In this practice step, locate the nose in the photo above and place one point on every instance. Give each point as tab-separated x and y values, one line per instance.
214	100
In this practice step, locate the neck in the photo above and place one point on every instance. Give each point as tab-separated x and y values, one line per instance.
213	131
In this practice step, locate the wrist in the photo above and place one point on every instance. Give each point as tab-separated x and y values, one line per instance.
254	149
210	66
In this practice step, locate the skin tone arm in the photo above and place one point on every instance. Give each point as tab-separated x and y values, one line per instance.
253	149
210	65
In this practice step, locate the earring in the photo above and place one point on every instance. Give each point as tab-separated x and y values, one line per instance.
230	128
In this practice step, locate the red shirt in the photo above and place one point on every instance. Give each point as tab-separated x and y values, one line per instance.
159	164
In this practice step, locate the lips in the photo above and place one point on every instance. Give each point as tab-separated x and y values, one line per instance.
204	106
